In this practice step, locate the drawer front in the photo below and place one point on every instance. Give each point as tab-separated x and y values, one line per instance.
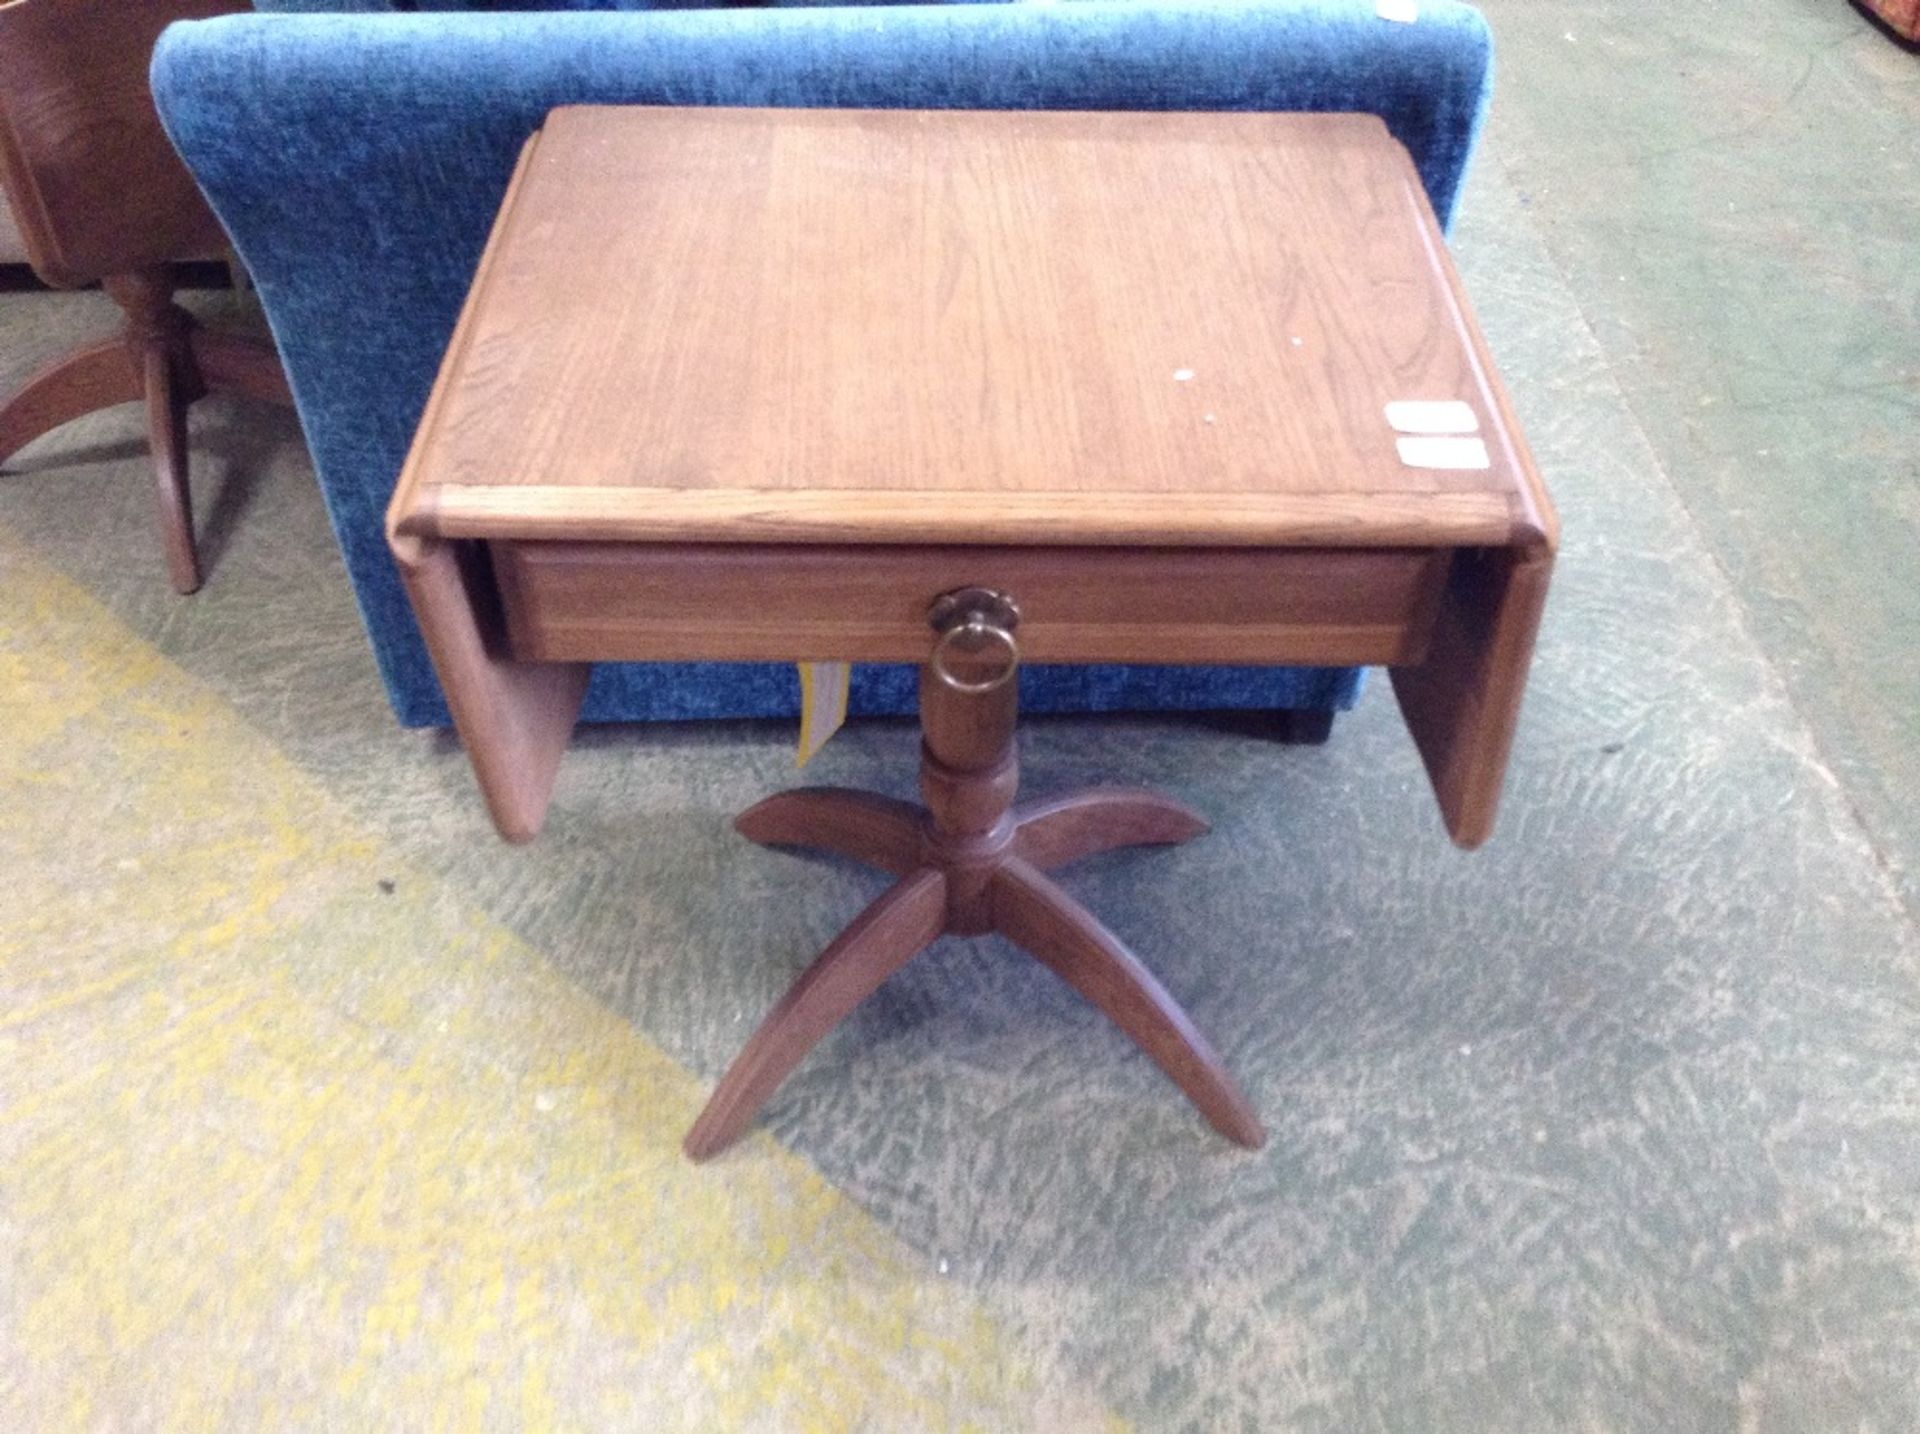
604	602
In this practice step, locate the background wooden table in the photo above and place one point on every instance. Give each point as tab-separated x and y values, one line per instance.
100	196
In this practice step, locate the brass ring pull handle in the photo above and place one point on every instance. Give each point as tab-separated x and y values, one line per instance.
969	636
971	620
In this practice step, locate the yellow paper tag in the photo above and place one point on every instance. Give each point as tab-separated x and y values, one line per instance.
823	705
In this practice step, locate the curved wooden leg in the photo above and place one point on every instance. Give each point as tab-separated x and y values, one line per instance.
1053	833
236	363
868	827
167	437
906	919
95	377
1032	911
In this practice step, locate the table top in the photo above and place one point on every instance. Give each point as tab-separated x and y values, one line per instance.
715	325
89	174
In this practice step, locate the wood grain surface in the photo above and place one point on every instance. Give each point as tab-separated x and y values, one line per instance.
101	196
1138	362
890	326
514	717
91	176
969	863
682	602
935	515
1462	703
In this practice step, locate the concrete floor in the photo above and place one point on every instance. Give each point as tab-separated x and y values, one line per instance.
318	1106
1730	194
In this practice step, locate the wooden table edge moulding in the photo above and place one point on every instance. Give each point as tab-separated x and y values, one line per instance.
536	537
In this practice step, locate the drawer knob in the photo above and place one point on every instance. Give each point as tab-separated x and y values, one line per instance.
976	627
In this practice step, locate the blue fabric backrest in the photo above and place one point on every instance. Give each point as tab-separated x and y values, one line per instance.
358	160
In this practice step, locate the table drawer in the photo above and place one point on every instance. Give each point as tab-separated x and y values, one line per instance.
571	601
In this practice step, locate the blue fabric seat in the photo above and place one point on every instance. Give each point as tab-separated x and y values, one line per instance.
358	159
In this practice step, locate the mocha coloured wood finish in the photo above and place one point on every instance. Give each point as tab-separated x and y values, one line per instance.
665	602
765	384
970	862
100	195
94	183
1317	229
887	326
938	516
515	717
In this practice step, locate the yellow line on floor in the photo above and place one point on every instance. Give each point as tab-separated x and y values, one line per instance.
280	1147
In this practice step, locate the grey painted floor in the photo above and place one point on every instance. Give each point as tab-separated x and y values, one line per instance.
1615	1124
1731	194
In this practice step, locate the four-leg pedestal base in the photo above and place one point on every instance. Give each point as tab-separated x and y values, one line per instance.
969	863
166	359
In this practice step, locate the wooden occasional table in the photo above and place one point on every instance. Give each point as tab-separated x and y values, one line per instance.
101	196
961	389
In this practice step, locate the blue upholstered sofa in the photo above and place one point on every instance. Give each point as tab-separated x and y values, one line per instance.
357	159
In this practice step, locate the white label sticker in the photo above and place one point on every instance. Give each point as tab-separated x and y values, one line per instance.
1405	11
1414	415
1429	452
823	705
